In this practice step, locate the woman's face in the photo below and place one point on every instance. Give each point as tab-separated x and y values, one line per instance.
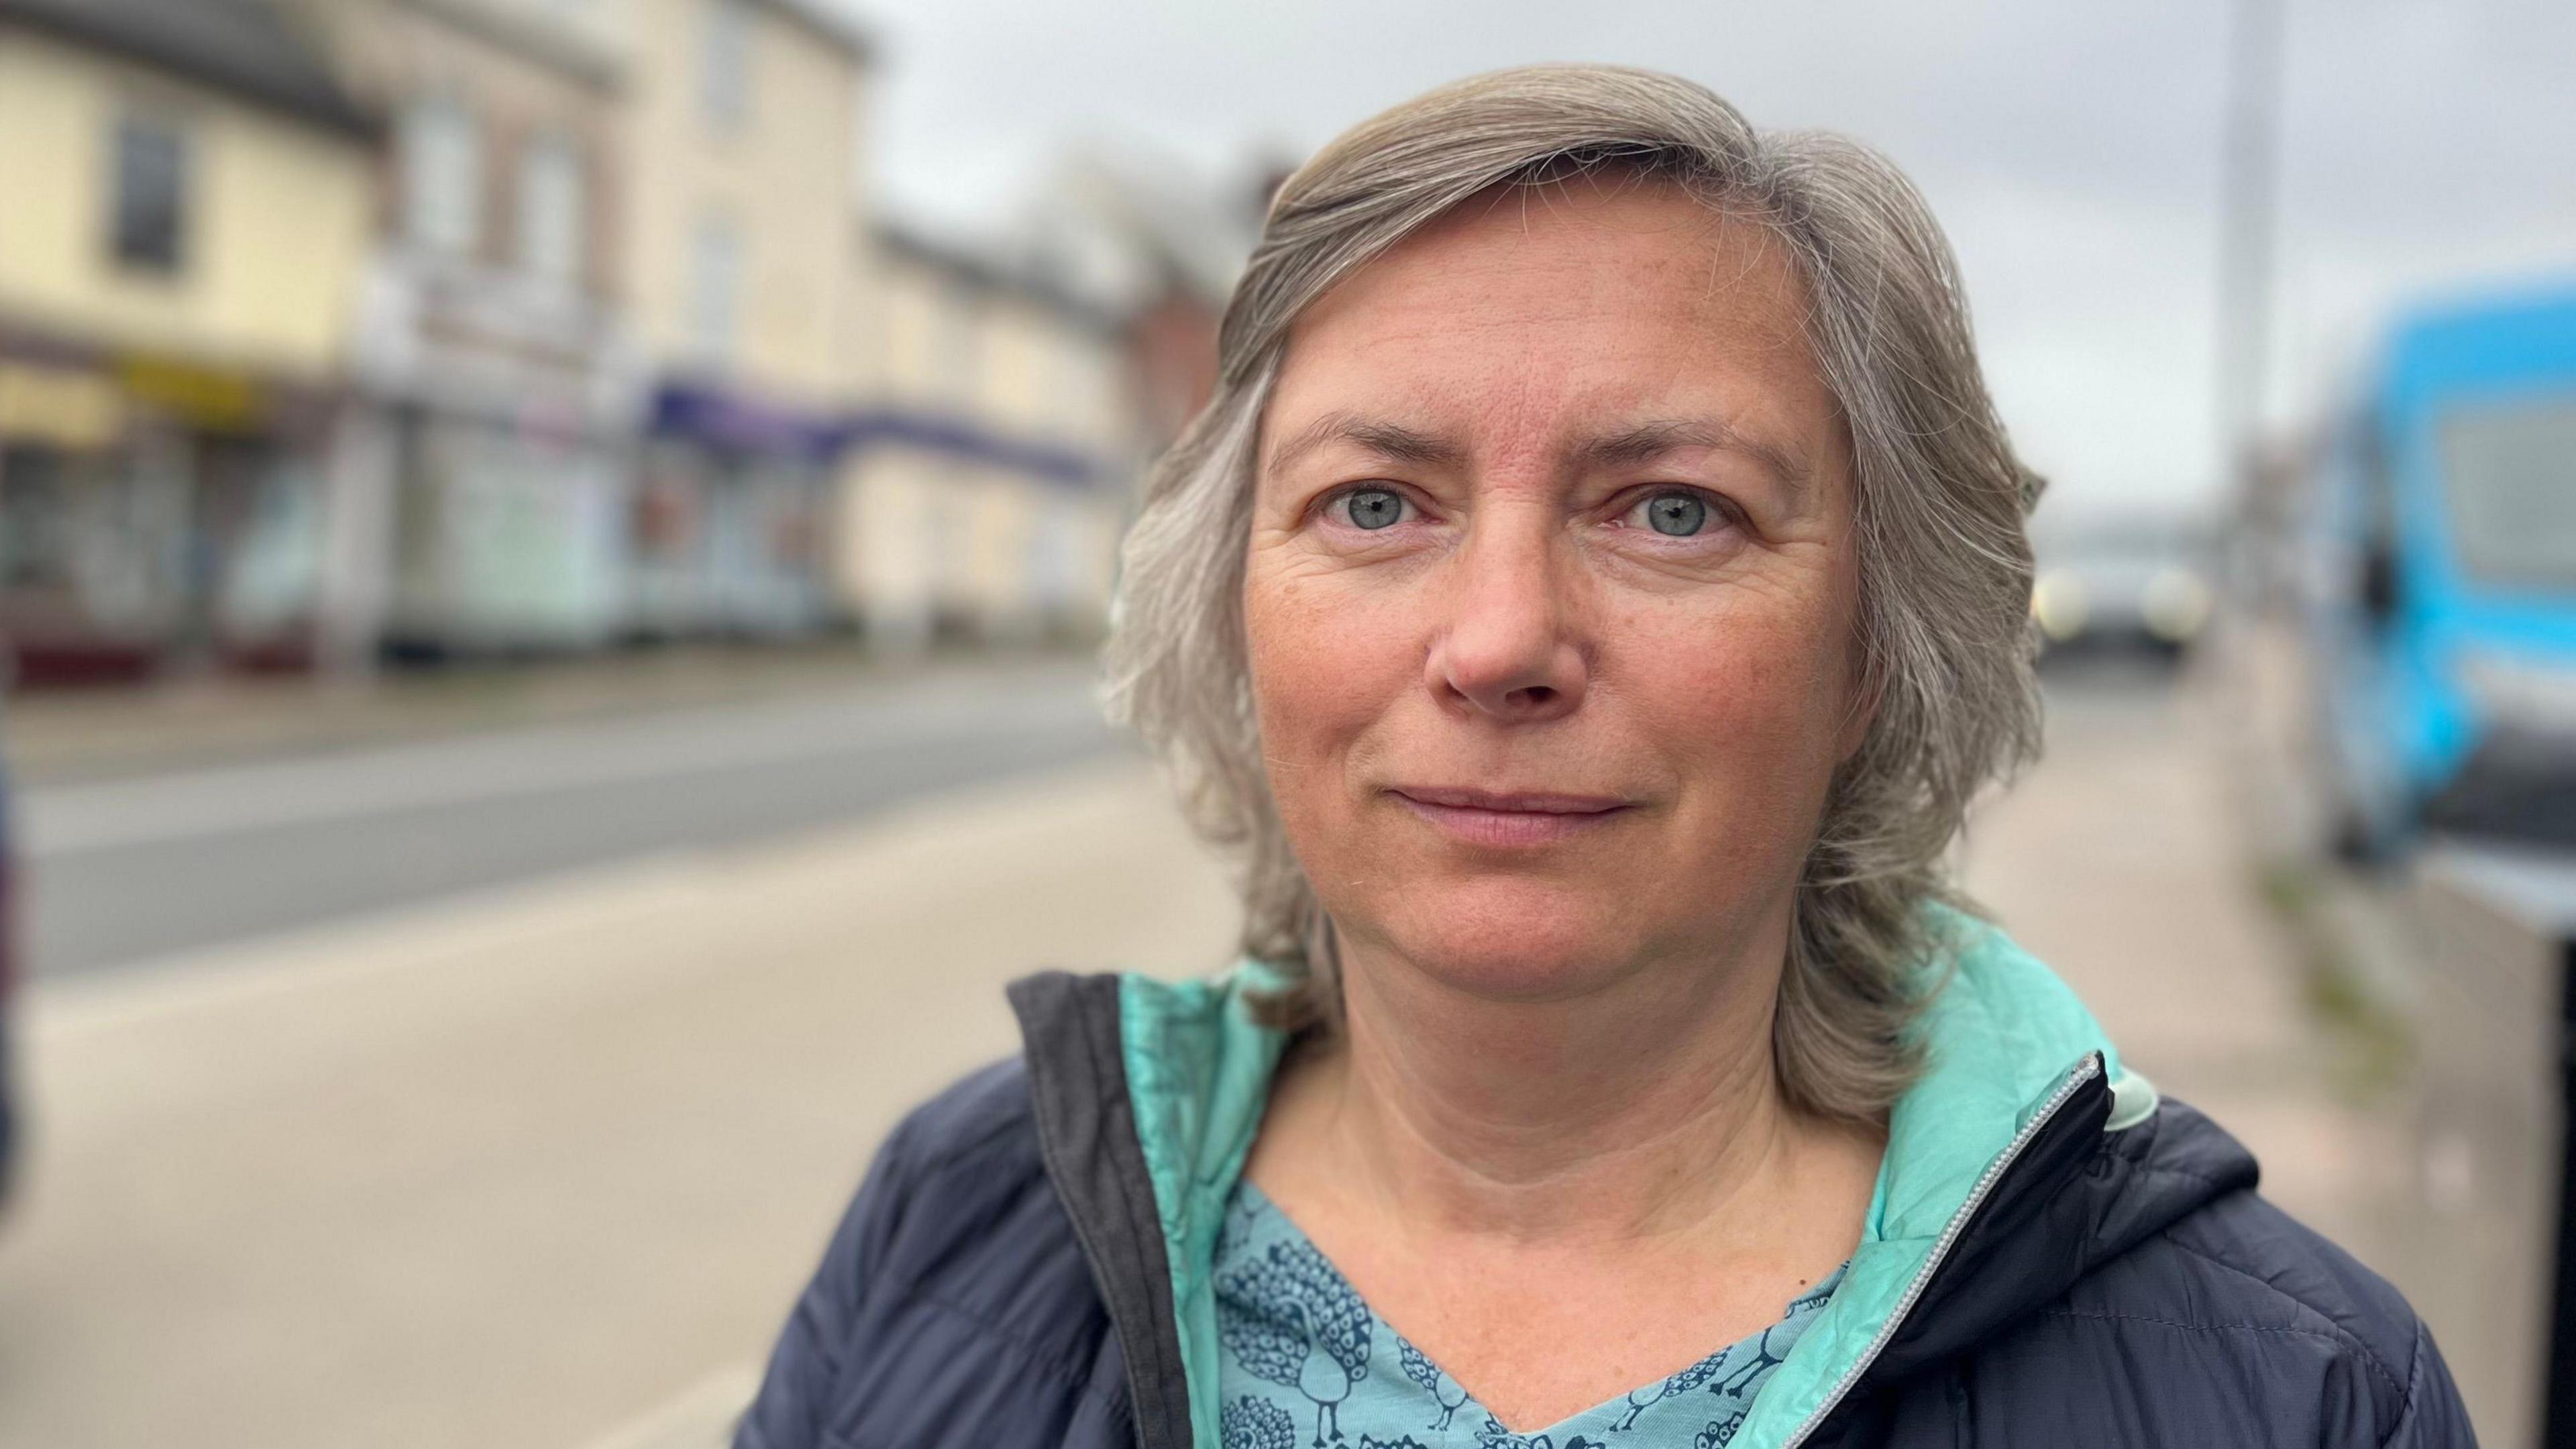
1550	592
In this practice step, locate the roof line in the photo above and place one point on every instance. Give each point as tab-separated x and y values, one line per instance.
271	67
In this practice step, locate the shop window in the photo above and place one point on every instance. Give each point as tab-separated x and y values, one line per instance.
715	290
150	221
553	209
961	359
442	176
35	530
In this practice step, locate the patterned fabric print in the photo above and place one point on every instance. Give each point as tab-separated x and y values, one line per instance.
1306	1365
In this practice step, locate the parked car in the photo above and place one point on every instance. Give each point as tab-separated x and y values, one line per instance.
2440	582
2134	581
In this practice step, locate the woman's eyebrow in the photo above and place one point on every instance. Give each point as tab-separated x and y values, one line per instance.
1392	441
1627	447
1646	442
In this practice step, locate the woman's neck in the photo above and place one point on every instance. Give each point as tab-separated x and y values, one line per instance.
1642	1111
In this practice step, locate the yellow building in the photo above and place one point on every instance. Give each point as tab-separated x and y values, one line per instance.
184	201
741	203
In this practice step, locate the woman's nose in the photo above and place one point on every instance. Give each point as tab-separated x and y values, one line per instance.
1507	651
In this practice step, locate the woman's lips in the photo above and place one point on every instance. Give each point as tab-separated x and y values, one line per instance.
1509	818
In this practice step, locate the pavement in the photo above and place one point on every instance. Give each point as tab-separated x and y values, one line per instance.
2125	862
543	1168
545	1165
2143	861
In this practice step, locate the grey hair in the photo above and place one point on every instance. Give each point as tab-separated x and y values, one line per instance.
1942	550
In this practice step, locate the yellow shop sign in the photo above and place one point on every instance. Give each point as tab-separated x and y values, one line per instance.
70	408
214	399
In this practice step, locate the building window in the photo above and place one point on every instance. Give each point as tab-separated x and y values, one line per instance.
37	529
726	79
715	289
553	210
150	223
959	361
442	176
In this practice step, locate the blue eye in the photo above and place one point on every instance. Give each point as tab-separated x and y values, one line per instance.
1373	508
1677	515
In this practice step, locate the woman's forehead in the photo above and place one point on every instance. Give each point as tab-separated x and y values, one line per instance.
1567	252
1562	320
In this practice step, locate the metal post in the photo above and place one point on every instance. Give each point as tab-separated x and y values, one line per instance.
2251	172
2494	1267
2558	1409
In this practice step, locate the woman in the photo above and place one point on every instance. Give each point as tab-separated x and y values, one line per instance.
1590	602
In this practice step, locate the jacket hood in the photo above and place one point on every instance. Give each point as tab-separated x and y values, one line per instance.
2023	1157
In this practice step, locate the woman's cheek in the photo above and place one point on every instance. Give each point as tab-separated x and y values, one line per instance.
1737	682
1329	662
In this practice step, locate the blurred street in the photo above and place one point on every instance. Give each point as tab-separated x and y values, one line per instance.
545	1167
552	556
2123	862
248	849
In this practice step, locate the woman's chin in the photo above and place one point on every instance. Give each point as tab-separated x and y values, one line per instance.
1516	951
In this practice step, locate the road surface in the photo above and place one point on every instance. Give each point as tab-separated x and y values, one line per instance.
133	869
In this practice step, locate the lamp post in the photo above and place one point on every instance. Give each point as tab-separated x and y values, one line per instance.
2248	206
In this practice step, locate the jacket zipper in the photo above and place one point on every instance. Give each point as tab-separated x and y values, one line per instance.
2083	1071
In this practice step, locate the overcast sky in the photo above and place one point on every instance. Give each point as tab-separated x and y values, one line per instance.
2071	148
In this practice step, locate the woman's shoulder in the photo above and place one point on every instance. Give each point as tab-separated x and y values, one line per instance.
2233	1257
2236	1284
956	1159
2242	1265
953	1250
954	1293
986	1112
951	1168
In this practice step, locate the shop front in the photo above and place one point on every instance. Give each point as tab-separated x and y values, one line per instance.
729	518
948	530
485	481
157	512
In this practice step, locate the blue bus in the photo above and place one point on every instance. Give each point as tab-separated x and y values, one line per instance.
2442	582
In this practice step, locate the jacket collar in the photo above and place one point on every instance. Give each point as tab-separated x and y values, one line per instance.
1089	1138
2020	1087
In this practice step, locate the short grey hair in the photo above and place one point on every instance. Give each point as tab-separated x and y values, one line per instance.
1942	550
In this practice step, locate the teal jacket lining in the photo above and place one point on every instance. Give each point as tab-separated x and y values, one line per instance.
2003	1035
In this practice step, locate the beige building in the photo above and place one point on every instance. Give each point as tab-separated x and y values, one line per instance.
484	485
187	203
848	427
742	127
989	480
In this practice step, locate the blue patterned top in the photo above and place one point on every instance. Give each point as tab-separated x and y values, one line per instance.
1302	1352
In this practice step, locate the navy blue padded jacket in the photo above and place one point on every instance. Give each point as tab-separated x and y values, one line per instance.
1013	1272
